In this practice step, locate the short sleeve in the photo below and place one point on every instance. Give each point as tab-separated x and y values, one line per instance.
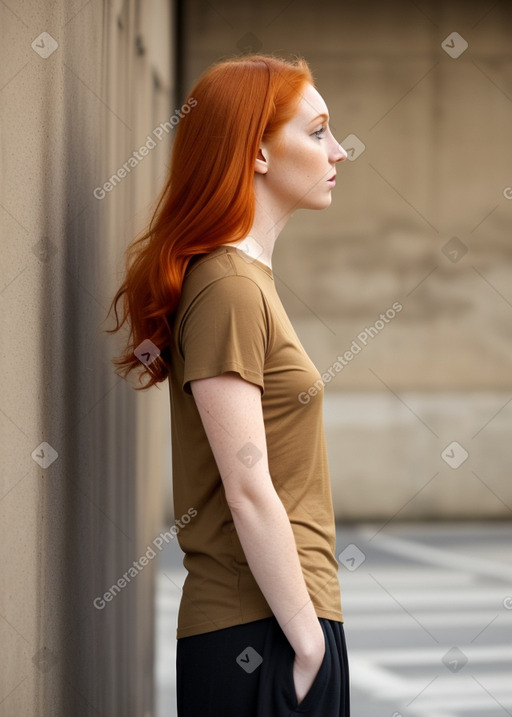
225	329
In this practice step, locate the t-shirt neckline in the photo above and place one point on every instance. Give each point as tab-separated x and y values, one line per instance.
233	249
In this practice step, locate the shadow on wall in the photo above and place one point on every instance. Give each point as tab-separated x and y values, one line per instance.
74	496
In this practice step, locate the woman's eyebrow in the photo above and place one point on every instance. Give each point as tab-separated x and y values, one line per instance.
321	116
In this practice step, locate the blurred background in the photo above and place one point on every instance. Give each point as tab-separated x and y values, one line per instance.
402	288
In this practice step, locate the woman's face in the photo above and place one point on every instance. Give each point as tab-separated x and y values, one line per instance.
301	160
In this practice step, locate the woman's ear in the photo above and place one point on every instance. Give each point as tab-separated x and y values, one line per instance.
261	163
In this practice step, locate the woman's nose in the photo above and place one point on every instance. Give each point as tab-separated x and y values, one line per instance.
342	155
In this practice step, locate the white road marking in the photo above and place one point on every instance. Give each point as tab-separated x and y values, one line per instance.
403	621
436	556
375	598
414	682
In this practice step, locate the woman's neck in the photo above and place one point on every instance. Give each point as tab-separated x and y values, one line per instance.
269	221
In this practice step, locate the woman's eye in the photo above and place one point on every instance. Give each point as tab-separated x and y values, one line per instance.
319	133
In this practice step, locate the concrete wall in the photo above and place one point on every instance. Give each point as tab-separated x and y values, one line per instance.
73	525
433	120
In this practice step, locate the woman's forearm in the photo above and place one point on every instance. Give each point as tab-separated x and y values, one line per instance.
269	545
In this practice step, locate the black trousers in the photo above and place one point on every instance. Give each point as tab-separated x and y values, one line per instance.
246	671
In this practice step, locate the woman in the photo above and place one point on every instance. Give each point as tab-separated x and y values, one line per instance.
260	628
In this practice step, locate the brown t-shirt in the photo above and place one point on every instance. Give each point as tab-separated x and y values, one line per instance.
230	318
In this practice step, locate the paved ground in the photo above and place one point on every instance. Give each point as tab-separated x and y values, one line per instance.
428	611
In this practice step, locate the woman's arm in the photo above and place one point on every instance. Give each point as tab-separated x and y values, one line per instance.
232	416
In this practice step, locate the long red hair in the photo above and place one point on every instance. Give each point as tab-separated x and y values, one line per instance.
208	198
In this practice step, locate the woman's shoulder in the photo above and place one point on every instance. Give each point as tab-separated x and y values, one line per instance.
224	261
222	277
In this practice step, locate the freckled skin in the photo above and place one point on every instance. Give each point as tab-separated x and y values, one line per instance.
303	157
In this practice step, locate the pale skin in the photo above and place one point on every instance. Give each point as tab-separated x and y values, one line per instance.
291	172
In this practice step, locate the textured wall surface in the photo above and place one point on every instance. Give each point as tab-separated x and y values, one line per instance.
422	216
418	418
83	455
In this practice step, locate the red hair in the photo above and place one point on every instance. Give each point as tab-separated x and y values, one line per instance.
208	198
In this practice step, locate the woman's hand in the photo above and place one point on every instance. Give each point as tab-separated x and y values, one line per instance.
305	669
